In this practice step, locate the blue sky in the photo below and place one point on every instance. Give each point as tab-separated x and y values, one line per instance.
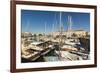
35	21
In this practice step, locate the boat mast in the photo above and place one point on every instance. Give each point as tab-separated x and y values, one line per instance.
70	25
60	34
45	30
53	25
52	29
61	29
70	22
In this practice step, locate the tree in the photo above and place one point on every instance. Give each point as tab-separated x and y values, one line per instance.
64	37
57	36
35	37
26	43
74	35
49	36
87	34
40	35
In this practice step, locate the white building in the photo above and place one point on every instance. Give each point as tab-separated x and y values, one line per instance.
72	33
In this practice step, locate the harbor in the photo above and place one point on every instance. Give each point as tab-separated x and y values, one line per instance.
59	45
53	52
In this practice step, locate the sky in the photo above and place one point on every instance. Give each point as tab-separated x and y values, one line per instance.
35	21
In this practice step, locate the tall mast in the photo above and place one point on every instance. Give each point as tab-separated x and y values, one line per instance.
61	27
70	25
52	28
45	29
60	34
27	26
69	22
53	25
60	21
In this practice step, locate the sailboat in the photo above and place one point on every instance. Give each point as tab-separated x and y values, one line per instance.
69	45
71	42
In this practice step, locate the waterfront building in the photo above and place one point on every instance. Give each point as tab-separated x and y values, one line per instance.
72	33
